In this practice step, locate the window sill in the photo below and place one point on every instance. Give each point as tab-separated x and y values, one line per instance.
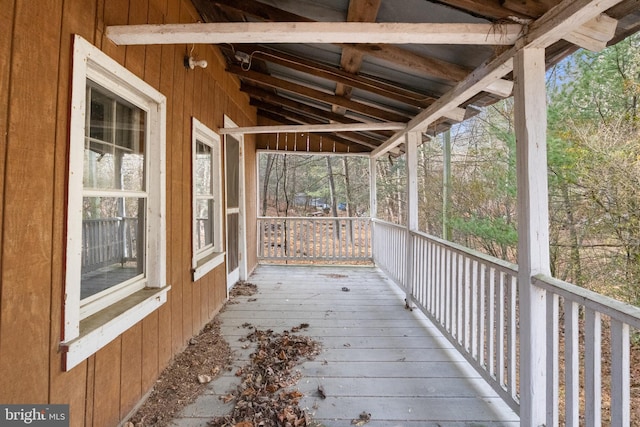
97	330
206	264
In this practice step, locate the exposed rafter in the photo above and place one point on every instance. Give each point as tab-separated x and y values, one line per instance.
492	9
337	75
318	95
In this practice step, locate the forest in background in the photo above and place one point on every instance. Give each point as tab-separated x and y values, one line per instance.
593	169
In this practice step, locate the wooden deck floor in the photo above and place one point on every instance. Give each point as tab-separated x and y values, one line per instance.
377	357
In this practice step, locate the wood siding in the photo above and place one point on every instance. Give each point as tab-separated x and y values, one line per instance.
35	71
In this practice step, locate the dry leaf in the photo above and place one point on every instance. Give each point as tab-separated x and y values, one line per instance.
228	398
204	379
362	419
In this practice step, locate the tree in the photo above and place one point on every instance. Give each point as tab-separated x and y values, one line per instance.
594	141
269	160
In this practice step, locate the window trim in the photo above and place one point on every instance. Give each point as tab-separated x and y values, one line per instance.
84	336
202	262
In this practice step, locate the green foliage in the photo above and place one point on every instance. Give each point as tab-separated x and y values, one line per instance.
491	230
600	87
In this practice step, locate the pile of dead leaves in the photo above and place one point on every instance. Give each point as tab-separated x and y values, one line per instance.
185	378
243	289
265	398
187	375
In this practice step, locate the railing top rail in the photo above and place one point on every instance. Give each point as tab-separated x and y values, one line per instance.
502	265
316	218
615	309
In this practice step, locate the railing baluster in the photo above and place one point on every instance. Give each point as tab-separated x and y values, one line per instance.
474	309
446	291
460	301
620	382
500	330
592	368
432	277
468	304
481	313
438	282
490	289
271	241
553	358
512	357
572	360
453	313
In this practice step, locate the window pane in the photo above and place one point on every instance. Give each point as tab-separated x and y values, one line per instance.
115	151
203	169
132	171
204	223
100	116
233	171
113	242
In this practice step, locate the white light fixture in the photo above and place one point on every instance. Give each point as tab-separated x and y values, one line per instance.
191	63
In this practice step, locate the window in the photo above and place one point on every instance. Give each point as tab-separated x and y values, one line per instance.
207	202
116	198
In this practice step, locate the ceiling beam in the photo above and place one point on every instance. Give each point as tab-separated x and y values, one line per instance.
318	95
424	65
315	128
351	60
314	32
551	27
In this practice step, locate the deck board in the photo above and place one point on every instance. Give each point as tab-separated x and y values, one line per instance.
376	356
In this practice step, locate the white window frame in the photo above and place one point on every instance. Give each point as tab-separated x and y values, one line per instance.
87	330
205	260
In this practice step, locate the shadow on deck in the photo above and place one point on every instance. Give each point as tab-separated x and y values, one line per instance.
377	357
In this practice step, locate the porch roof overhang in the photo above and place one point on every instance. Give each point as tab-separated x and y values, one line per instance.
364	73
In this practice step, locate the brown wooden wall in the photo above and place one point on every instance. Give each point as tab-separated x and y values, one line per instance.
35	59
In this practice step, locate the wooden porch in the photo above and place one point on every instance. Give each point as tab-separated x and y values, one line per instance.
376	357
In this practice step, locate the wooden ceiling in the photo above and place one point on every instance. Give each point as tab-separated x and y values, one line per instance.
336	81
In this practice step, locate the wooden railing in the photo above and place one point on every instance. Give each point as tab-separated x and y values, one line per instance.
470	297
579	322
473	299
314	239
108	241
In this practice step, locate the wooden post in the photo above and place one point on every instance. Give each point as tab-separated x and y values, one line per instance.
373	199
446	185
412	141
533	229
373	195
